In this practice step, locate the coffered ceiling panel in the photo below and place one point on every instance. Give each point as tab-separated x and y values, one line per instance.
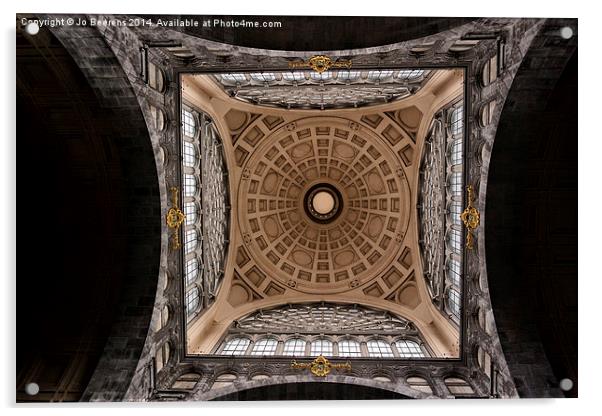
284	234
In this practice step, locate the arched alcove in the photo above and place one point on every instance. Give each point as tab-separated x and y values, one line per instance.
532	217
90	193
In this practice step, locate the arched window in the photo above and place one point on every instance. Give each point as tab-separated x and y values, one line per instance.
349	348
348	76
455	210
186	381
192	300
294	346
453	272
456	152
457	121
224	380
265	346
458	386
236	346
321	347
442	232
379	348
188	123
324	76
420	384
263	76
233	78
293	76
342	88
189	185
192	271
189	154
453	302
191	212
205	202
190	240
454	237
408	349
316	326
455	183
379	75
410	73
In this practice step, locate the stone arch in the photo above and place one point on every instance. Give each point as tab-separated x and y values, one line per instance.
239	386
534	302
77	156
133	138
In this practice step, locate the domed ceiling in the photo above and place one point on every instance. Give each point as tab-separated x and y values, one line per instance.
370	209
323	207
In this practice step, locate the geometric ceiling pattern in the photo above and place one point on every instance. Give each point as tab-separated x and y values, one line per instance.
374	207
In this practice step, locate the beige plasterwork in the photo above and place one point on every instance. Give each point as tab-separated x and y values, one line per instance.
370	254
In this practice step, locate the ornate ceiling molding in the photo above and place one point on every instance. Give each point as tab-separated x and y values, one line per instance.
327	90
375	208
320	63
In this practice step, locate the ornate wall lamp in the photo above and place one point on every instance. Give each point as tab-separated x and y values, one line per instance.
471	218
174	219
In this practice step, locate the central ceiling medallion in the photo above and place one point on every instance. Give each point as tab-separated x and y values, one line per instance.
323	203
